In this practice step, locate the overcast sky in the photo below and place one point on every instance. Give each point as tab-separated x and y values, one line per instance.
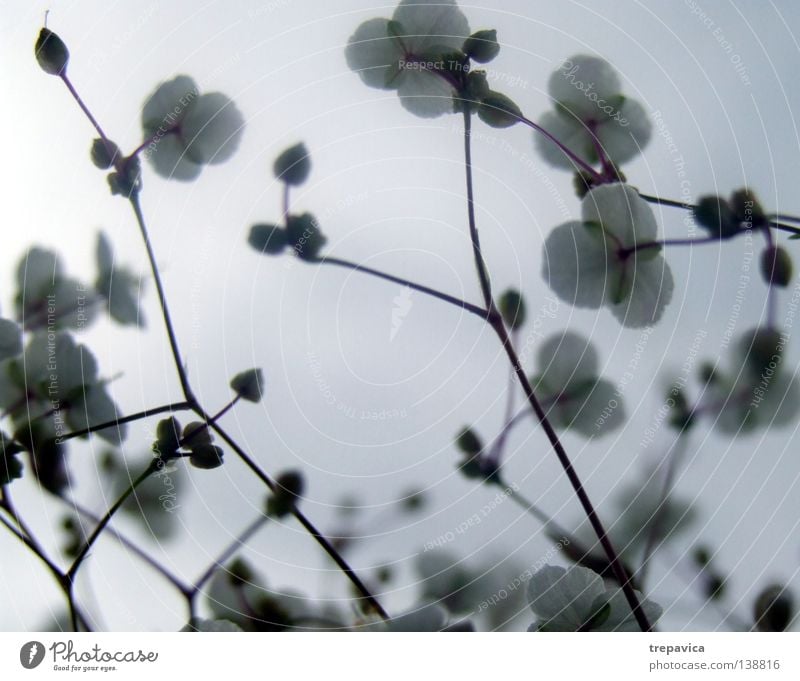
388	189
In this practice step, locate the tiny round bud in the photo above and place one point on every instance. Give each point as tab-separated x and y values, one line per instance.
512	308
197	433
774	609
206	457
469	442
499	111
304	236
249	385
289	487
104	154
714	214
482	46
293	166
51	53
269	239
776	266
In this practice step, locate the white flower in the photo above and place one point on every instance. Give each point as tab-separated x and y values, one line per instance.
594	262
406	53
569	385
590	110
118	286
188	130
576	599
757	391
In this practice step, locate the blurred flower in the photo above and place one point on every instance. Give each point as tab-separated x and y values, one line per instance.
575	599
187	130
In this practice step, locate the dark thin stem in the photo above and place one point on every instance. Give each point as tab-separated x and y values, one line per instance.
175	406
782	217
577	160
469	307
162	299
110	147
228	552
130	545
495	319
663	243
480	265
774	220
337	558
98	530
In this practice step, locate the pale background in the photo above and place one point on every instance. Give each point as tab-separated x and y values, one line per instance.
389	191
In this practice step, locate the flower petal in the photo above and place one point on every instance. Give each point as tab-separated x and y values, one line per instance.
622	213
593	411
621	142
429	23
580	82
372	54
168	104
650	293
212	128
563	597
568	130
578	267
567	361
10	339
425	94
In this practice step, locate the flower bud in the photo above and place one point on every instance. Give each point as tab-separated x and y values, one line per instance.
304	236
293	165
776	266
51	53
774	609
499	111
206	457
512	308
482	46
289	487
469	442
269	239
104	153
746	209
714	214
249	385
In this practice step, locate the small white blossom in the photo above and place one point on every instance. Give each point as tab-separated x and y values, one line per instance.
590	110
188	130
575	599
593	263
408	53
570	386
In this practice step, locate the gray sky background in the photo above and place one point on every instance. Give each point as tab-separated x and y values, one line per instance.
389	191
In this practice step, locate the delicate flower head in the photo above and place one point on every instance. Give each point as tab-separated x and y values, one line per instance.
409	53
596	261
575	599
569	384
591	111
187	129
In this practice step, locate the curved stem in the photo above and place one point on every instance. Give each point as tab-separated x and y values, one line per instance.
166	408
162	299
577	160
469	307
663	243
101	525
